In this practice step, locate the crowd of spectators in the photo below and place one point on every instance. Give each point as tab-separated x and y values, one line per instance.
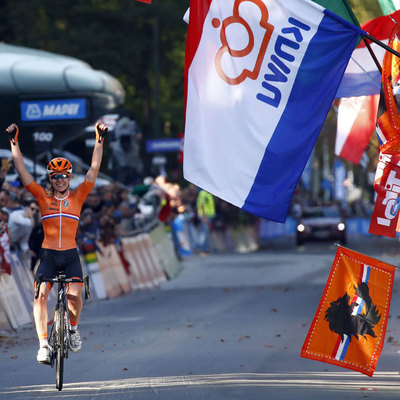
115	210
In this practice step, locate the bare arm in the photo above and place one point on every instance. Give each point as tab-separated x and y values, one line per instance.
12	133
101	130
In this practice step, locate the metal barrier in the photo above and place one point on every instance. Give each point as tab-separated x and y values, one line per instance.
144	260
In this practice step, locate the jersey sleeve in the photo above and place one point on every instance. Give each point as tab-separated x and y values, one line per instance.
37	191
83	190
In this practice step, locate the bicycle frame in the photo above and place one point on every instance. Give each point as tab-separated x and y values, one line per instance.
61	311
59	332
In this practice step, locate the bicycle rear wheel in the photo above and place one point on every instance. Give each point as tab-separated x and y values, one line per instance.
60	349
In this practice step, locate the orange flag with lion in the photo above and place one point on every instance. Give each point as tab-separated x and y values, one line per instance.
349	326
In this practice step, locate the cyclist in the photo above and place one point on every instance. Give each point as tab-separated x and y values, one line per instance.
60	209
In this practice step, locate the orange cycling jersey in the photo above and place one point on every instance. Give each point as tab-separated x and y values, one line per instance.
60	217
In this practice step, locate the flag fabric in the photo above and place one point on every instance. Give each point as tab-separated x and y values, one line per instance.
349	326
362	76
145	1
388	124
5	253
260	78
356	121
389	6
385	216
341	8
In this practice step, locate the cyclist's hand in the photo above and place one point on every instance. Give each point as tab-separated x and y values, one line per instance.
101	131
12	133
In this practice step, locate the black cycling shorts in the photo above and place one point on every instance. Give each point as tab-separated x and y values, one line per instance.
54	261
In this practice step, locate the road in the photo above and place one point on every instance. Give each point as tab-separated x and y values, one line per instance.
228	327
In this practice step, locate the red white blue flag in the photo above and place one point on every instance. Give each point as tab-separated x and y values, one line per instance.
260	78
362	77
356	122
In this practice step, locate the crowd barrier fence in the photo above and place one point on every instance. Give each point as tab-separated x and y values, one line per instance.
141	261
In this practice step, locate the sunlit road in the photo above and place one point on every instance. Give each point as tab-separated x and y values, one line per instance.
228	327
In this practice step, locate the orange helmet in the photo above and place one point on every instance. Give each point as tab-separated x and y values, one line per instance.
59	165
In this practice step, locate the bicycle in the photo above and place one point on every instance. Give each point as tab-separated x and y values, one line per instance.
59	332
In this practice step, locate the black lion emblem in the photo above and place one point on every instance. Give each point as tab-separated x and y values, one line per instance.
340	318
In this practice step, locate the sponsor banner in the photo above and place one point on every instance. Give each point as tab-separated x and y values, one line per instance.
340	174
387	186
163	145
53	110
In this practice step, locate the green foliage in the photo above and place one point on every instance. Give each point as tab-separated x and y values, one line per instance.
365	10
134	42
123	37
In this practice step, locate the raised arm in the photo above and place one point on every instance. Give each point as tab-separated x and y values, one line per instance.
12	133
101	131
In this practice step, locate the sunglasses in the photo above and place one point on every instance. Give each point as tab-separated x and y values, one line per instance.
56	177
34	209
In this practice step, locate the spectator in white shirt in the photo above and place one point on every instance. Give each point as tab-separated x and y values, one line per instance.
20	225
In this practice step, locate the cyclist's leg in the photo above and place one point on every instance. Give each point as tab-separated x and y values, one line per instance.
73	269
74	302
40	311
47	270
40	307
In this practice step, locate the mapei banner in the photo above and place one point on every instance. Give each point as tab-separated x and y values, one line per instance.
53	110
260	78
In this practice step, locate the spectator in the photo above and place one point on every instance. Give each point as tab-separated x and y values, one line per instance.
35	240
94	202
127	164
5	166
9	200
127	223
107	230
89	225
20	225
4	198
5	259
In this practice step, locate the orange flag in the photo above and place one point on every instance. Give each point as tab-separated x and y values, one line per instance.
388	123
349	326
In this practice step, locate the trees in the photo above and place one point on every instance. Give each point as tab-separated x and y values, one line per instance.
141	45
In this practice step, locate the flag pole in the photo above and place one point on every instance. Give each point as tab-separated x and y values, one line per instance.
347	248
361	32
379	43
372	54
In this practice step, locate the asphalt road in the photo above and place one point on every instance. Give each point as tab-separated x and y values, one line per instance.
228	327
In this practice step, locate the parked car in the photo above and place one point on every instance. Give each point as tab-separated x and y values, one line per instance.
321	223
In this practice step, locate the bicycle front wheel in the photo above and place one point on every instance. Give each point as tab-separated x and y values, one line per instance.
60	349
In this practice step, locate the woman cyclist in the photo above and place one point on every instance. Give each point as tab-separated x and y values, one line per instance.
60	209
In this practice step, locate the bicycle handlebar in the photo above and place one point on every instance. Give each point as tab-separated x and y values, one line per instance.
62	279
